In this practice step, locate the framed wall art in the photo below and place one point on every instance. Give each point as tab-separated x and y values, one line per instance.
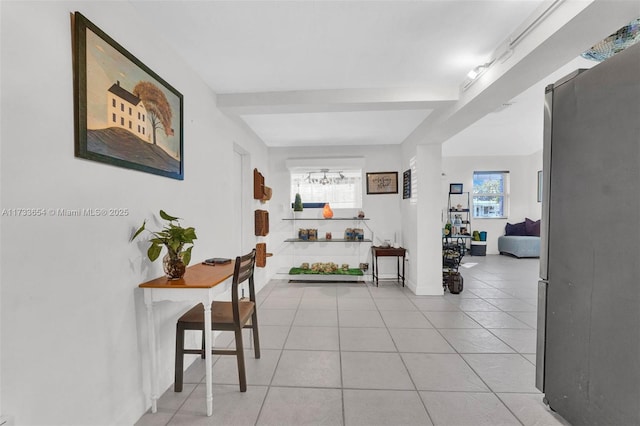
382	183
125	114
455	188
406	184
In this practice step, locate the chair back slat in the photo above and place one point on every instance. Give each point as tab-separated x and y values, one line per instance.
242	272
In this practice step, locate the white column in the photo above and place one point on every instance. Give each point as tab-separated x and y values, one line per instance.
428	256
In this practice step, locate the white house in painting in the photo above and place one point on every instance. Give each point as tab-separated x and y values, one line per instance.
125	110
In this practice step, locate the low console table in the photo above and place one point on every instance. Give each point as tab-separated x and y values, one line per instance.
384	252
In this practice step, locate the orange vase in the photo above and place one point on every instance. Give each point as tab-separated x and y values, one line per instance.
327	213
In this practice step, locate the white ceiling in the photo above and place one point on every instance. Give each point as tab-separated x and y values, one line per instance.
376	72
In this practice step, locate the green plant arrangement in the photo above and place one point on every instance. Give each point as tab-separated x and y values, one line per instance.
297	204
174	237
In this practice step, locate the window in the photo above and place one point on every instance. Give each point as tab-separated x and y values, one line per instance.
490	194
122	121
130	111
122	107
114	117
342	189
113	102
130	124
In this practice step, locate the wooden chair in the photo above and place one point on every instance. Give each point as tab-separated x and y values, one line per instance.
225	316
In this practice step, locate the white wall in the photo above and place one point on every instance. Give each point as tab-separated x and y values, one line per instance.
523	189
383	210
72	317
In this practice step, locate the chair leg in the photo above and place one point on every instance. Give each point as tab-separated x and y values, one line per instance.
179	367
242	376
256	339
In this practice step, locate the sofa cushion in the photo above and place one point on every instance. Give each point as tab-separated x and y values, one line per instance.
519	246
516	229
532	228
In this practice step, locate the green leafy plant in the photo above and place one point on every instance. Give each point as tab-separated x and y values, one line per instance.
172	236
297	204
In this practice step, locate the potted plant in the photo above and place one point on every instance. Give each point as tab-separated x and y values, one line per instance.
174	237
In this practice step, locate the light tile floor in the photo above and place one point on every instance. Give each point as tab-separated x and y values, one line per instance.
356	354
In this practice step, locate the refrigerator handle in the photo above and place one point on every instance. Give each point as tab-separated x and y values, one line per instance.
546	183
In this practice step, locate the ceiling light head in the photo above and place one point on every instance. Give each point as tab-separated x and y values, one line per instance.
474	73
324	180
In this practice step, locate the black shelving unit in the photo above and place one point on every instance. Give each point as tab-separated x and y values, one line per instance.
463	230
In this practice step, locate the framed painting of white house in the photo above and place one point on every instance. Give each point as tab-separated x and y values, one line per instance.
125	114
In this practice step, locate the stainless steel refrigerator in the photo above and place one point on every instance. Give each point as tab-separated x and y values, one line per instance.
588	354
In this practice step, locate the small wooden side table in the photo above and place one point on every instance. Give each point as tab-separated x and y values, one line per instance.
199	285
383	252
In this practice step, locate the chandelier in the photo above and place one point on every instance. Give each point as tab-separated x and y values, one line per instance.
321	177
616	42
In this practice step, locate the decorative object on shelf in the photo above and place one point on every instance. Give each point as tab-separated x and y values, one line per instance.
455	188
349	234
345	266
325	269
304	266
476	236
174	237
327	213
297	204
360	214
364	266
327	236
126	114
261	223
459	207
358	234
382	183
313	234
261	255
303	234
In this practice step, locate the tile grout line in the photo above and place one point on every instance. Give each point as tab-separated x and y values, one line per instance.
266	395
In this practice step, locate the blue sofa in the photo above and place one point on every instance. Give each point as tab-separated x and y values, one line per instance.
519	246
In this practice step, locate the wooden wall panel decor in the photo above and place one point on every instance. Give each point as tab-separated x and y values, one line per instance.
262	223
258	185
260	191
261	255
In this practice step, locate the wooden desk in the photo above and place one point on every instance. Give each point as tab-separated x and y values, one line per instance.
199	284
386	251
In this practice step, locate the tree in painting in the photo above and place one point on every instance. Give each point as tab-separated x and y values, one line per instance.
157	106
